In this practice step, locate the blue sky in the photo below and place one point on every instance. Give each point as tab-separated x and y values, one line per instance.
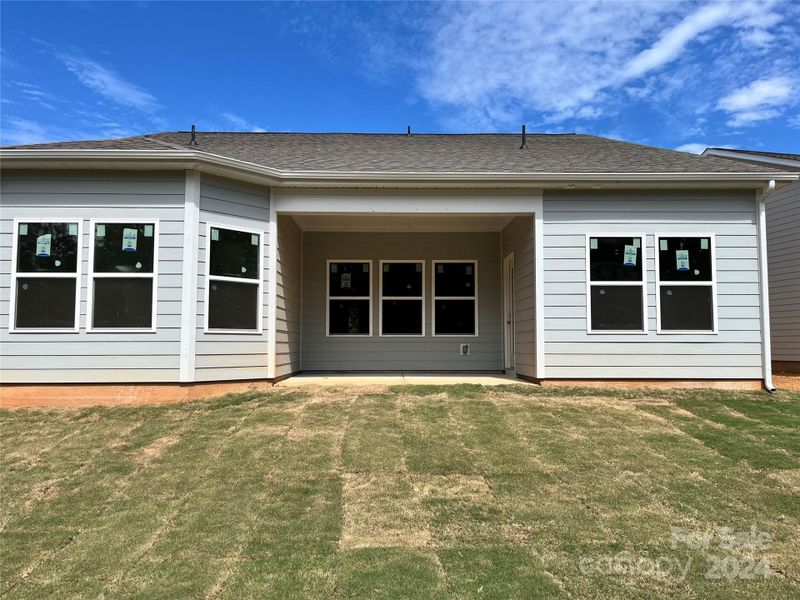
674	74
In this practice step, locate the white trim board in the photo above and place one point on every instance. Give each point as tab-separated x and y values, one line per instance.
190	258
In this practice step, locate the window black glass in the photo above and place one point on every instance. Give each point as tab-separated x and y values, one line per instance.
348	317
232	305
124	247
45	302
234	253
455	317
402	279
402	317
687	308
615	259
47	247
454	279
684	259
348	279
617	308
123	302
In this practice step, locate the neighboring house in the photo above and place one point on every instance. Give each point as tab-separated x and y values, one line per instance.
783	250
240	256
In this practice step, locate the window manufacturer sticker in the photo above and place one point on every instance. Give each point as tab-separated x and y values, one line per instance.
214	235
704	243
664	245
419	268
637	243
682	260
440	268
630	256
593	244
345	281
43	243
129	239
148	231
365	268
385	268
23	229
469	270
254	239
73	229
334	268
100	230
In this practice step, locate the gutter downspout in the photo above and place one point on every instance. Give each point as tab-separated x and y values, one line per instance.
766	352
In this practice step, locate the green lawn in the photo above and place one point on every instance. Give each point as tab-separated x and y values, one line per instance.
414	491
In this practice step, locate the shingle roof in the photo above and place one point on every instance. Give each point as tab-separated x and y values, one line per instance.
428	153
783	155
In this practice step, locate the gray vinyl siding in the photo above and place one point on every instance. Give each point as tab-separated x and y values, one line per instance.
321	353
227	356
288	286
783	249
571	352
95	357
518	238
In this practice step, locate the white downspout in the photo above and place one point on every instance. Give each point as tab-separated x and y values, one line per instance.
766	352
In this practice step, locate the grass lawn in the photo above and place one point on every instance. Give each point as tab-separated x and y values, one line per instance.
413	491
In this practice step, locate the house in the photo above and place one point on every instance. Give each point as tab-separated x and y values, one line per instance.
783	251
183	257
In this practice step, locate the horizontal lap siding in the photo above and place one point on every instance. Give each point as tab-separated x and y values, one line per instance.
518	238
224	356
321	353
95	357
288	297
783	249
735	352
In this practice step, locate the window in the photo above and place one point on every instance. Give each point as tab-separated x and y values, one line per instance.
233	287
455	298
402	298
122	275
686	284
45	276
349	286
615	285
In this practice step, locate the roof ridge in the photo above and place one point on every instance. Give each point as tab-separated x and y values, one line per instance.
364	133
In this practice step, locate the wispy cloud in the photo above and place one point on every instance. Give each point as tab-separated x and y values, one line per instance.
18	131
240	123
758	101
698	147
109	84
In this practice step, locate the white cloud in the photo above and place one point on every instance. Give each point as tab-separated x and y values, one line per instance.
241	124
488	64
18	131
758	101
697	147
109	84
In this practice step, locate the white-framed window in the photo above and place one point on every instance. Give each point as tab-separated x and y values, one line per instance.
616	283
45	275
233	295
348	310
123	275
686	283
402	298
454	298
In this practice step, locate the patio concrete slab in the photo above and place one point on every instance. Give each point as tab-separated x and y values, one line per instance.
335	379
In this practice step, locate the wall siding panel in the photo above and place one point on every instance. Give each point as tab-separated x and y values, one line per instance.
321	353
571	352
288	280
517	237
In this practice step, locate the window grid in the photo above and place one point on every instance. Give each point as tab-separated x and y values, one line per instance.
90	328
15	275
711	284
631	283
328	297
421	298
434	297
257	281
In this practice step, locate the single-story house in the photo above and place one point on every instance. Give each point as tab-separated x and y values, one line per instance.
783	251
183	257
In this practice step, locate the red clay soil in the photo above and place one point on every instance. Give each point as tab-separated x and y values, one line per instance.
787	381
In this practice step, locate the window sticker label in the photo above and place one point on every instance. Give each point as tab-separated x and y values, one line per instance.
664	245
334	268
129	239
385	268
100	230
345	281
43	245
682	259
214	235
365	267
73	229
469	270
630	256
419	268
637	242
440	268
148	231
703	243
23	229
593	244
254	239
